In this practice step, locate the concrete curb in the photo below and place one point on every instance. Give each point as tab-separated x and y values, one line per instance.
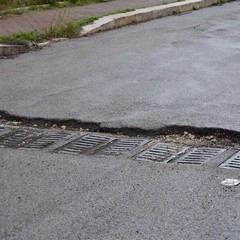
12	50
9	50
144	14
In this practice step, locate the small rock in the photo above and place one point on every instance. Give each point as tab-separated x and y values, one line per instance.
54	40
35	125
63	127
209	137
230	182
54	126
16	123
44	44
191	136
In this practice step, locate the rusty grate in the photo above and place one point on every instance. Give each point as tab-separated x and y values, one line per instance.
18	138
85	144
161	152
122	146
48	139
233	162
200	155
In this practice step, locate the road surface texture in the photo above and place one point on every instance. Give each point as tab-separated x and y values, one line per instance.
56	196
180	70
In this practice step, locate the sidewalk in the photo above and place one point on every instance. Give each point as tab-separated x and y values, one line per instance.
39	20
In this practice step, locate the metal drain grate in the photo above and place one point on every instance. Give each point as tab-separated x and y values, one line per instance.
4	130
18	138
161	152
200	155
85	144
122	146
48	139
233	162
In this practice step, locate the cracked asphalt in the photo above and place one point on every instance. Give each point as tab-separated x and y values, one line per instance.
179	70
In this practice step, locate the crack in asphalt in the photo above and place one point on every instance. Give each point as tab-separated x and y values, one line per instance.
220	133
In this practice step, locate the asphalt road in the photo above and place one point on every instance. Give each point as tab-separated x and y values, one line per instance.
179	70
56	196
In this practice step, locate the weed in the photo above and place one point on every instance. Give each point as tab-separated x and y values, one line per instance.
166	3
85	2
222	1
123	11
33	36
175	12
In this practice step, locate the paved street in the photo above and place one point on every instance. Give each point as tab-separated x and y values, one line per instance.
179	70
53	196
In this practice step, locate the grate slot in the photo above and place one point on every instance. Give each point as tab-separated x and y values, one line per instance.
161	152
18	138
200	155
232	163
84	144
122	146
48	139
4	130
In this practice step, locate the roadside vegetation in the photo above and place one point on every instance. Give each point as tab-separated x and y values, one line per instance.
69	30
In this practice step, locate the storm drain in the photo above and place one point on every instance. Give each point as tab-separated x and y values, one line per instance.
161	152
233	162
48	139
200	155
85	144
18	138
122	146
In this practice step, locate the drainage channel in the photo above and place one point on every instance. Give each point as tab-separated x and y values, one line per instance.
161	150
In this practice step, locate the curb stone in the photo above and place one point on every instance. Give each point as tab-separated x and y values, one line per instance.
144	14
9	50
48	43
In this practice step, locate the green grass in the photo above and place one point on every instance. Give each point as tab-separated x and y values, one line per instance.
166	3
125	10
86	2
68	30
21	37
223	1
